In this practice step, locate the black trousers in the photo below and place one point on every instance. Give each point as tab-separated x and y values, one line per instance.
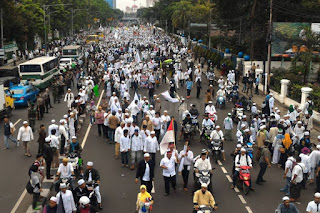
46	105
167	181
263	168
198	92
153	157
48	167
100	129
63	142
318	183
305	179
157	134
36	197
188	92
148	184
185	176
295	190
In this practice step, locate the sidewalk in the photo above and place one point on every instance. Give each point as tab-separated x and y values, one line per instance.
258	99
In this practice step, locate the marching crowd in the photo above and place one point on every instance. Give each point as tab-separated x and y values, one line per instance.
140	127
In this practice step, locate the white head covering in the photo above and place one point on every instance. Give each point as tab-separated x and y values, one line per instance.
90	163
80	182
54	199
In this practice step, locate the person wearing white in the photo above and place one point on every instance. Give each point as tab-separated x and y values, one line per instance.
151	145
271	103
25	135
288	174
187	155
241	159
64	137
207	122
217	134
305	159
228	126
210	108
298	132
69	98
314	159
296	179
136	148
54	144
125	147
72	130
53	126
115	106
117	135
254	109
169	171
67	199
314	206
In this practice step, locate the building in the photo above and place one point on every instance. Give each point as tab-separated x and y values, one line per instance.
112	3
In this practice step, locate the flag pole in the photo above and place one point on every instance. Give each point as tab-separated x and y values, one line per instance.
174	135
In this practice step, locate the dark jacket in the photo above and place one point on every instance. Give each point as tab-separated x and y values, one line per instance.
94	174
47	152
77	194
42	136
142	168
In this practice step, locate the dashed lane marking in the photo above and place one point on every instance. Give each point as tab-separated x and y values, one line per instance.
219	163
16	122
229	178
224	170
249	209
89	126
236	189
242	199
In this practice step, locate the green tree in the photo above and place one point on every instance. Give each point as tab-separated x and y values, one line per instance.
181	14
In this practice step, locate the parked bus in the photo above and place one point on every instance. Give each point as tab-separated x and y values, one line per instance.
92	39
100	34
39	71
72	51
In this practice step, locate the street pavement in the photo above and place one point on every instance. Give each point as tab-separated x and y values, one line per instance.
118	190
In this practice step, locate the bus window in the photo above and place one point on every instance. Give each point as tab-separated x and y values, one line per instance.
30	68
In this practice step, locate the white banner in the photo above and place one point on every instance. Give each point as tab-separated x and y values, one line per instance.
167	96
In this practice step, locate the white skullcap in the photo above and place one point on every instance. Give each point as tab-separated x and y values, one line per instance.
152	132
285	198
244	116
25	122
271	93
204	185
165	111
239	145
317	195
306	133
146	155
65	116
54	199
210	102
299	122
74	137
61	121
254	104
286	116
217	127
318	146
261	127
53	121
151	106
243	125
63	186
243	150
89	163
278	111
246	130
47	139
80	182
69	89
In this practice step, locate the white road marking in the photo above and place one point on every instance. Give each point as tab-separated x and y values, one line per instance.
236	189
229	178
19	201
242	199
224	170
17	122
219	163
249	209
153	188
89	126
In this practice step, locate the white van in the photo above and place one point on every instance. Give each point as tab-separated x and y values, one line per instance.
64	62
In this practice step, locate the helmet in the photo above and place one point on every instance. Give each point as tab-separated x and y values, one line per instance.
84	200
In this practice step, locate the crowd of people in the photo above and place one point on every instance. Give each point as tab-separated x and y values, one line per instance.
136	58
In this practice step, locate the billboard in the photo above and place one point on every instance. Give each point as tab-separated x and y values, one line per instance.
284	34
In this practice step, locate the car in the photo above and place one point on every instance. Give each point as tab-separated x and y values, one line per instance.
64	62
23	94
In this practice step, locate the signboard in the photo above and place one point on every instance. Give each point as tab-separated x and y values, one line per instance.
144	81
315	28
2	53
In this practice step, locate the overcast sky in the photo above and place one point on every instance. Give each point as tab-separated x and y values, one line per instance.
121	4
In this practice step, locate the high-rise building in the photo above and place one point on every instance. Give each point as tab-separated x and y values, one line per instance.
112	3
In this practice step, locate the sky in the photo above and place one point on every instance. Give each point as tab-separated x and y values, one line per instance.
121	4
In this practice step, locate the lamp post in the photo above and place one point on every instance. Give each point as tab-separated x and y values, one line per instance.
45	7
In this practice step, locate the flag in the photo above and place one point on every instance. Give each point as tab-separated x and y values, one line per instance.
182	160
96	90
167	96
167	138
136	97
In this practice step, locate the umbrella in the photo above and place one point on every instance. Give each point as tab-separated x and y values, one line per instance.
168	61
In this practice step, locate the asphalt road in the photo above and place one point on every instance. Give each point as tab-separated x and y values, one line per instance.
118	189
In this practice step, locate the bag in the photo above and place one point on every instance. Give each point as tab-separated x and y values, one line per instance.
29	187
282	150
310	108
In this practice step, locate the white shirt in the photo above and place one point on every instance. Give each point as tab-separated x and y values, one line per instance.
118	133
210	109
62	131
203	164
124	143
146	175
65	171
288	166
144	135
68	201
188	158
54	141
305	159
170	164
217	135
134	109
151	145
53	126
157	123
206	123
136	143
25	134
228	123
315	158
313	207
298	170
244	160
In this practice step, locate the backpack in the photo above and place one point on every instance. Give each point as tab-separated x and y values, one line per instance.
29	187
310	108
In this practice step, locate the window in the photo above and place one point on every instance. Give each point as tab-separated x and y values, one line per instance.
70	52
50	65
30	68
17	91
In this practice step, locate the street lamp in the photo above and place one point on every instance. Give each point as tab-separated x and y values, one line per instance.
45	7
73	12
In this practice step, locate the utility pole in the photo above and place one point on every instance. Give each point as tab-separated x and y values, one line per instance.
2	42
44	25
269	39
72	11
166	26
209	30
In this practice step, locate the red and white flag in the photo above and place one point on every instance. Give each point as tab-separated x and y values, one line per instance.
167	138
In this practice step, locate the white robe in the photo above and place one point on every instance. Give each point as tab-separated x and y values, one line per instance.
69	98
68	201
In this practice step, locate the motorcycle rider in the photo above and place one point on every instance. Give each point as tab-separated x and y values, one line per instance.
240	133
243	121
203	163
210	108
203	197
194	111
65	171
221	92
80	191
217	134
206	122
90	175
241	159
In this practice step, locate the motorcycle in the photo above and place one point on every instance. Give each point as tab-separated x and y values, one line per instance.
235	96
194	119
68	181
203	176
76	162
213	116
243	180
188	131
216	150
91	185
237	114
221	101
207	133
229	92
249	148
205	209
